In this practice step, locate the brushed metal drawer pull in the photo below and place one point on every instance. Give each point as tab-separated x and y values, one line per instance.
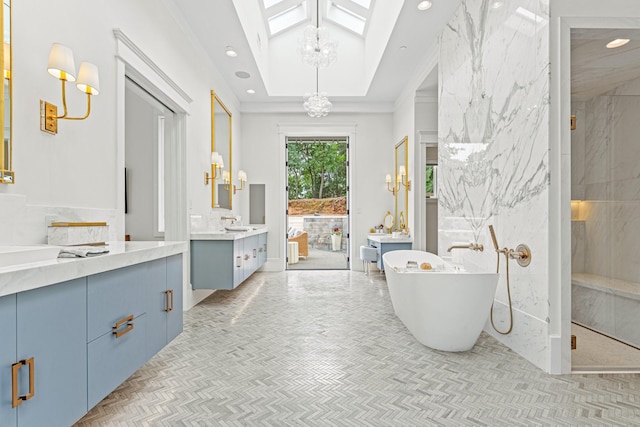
129	321
238	261
16	399
246	257
255	253
169	300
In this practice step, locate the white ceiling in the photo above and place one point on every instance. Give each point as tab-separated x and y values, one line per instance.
216	24
596	69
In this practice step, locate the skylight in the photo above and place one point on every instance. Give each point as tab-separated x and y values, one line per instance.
269	3
364	3
350	14
346	18
281	15
287	18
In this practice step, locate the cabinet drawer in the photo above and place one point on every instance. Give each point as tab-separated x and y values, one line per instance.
112	360
114	295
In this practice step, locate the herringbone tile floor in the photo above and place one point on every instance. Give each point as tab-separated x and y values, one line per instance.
325	349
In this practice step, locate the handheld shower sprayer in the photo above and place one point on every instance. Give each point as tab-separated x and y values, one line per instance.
493	237
495	241
505	252
522	254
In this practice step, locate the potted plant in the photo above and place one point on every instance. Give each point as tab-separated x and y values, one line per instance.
336	239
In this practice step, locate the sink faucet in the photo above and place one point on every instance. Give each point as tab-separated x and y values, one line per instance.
472	246
231	218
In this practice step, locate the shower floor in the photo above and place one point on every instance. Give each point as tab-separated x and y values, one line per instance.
597	352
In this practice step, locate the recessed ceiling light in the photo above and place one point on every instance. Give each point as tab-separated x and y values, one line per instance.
403	47
617	43
251	91
231	52
242	75
424	5
497	4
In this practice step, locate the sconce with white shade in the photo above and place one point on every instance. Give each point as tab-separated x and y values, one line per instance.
396	185
402	177
62	66
242	177
217	164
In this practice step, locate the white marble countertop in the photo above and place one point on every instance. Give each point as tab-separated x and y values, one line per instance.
388	238
24	277
226	235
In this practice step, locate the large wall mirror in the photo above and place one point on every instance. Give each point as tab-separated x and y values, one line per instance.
6	149
221	142
403	184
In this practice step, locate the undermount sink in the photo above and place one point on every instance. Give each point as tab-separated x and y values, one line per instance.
238	228
16	255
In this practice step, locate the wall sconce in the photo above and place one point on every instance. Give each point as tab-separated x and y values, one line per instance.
402	177
396	186
216	168
226	178
62	66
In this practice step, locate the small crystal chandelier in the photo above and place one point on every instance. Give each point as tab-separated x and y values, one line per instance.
315	46
316	104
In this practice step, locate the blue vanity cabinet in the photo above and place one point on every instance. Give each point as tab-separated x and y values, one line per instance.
72	343
225	264
8	349
262	248
239	262
212	264
116	327
51	331
175	318
384	247
164	303
250	256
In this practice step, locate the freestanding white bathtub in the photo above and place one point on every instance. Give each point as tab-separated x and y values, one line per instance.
444	308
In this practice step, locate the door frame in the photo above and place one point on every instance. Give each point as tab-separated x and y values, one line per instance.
319	140
131	61
559	255
302	130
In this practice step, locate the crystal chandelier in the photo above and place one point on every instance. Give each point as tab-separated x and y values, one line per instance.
316	48
317	104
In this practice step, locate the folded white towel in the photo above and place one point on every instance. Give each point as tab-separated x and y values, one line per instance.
81	251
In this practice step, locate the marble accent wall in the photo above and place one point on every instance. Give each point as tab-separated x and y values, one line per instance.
24	224
605	162
493	130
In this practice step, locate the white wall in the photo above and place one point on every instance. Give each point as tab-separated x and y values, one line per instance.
371	154
74	173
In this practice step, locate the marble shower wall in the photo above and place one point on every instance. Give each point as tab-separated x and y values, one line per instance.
605	161
493	130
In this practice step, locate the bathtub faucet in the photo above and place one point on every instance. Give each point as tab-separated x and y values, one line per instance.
472	246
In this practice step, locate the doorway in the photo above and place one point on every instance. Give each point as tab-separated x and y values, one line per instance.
605	196
317	212
147	123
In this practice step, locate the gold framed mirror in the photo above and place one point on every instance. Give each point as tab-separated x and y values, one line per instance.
7	176
403	184
221	142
